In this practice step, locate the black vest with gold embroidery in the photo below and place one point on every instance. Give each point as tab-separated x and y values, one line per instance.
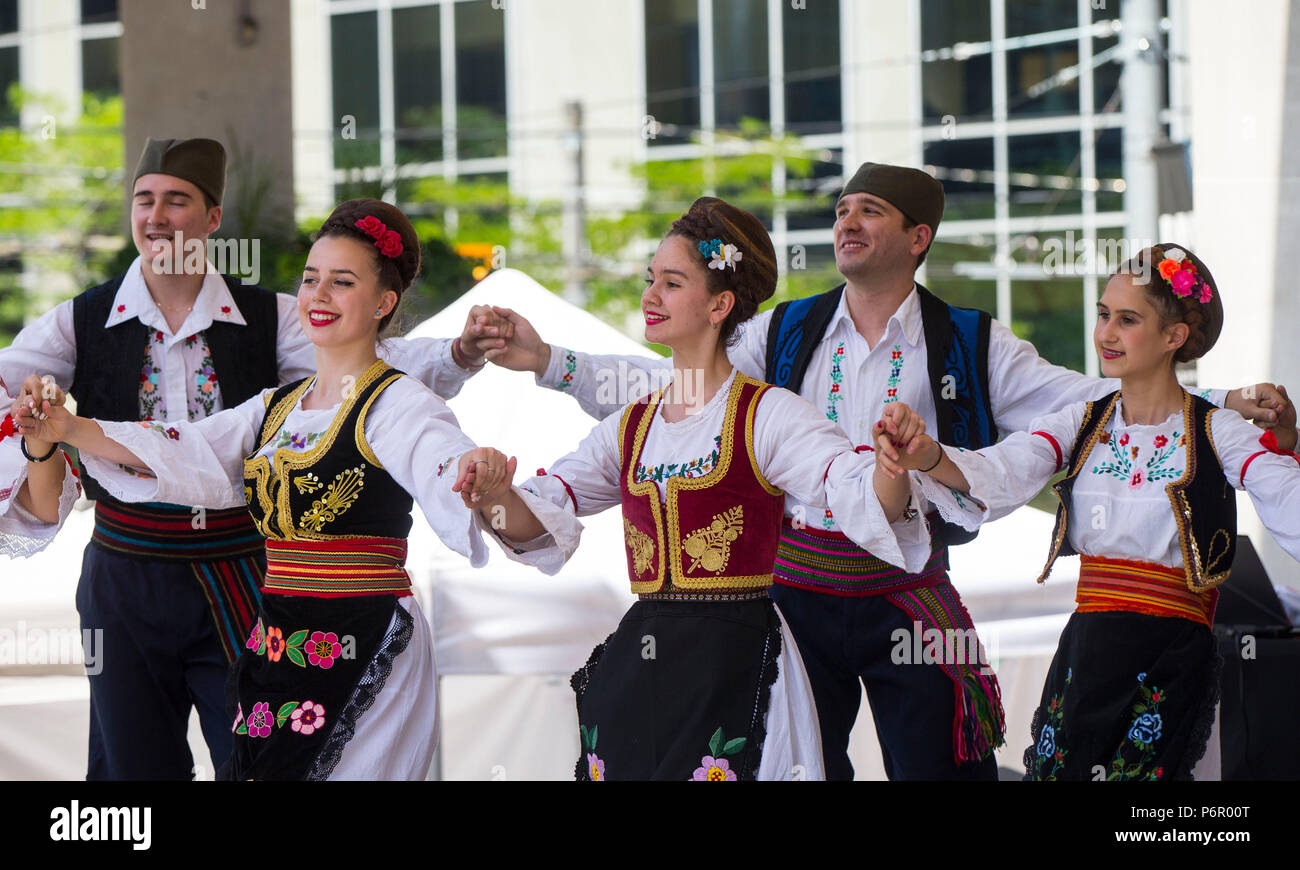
1203	502
335	489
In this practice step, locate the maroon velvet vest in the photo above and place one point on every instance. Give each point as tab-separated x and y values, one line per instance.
716	533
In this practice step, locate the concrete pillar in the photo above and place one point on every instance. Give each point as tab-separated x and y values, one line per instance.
1245	126
196	69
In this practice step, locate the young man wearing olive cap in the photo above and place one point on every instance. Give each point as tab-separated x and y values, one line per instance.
175	589
877	339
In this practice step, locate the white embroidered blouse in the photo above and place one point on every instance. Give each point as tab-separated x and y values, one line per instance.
1120	509
849	382
797	450
412	432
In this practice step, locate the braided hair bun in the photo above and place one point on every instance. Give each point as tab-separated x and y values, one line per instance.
1204	319
752	280
372	222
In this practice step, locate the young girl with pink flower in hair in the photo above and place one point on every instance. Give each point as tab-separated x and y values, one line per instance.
1148	504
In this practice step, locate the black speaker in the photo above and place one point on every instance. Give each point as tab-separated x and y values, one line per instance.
1260	691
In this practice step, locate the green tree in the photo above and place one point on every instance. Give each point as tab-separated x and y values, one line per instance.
61	183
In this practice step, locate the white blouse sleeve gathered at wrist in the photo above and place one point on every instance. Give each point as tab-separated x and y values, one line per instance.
22	533
427	360
419	442
198	463
1007	475
1271	480
807	456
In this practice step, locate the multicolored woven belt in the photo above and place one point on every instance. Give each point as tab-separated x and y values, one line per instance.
175	532
1141	587
337	569
221	548
830	562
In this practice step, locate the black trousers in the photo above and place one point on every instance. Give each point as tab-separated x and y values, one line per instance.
846	640
158	657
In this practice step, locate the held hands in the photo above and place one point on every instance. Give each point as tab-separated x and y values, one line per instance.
39	414
1284	429
484	476
485	330
901	442
1264	404
523	349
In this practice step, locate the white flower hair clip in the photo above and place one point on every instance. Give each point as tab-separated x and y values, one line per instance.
721	255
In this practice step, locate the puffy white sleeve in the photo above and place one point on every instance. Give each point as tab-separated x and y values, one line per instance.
804	454
1008	474
604	384
198	463
22	533
427	360
1271	479
419	442
294	352
1023	386
47	346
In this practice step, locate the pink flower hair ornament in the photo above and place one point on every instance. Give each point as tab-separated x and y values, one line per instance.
1179	271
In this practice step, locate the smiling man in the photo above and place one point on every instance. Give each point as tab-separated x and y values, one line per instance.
878	338
175	588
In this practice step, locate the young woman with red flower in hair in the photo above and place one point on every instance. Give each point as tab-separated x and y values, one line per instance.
337	678
1148	504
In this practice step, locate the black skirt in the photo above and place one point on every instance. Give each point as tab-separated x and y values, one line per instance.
311	669
1128	697
679	692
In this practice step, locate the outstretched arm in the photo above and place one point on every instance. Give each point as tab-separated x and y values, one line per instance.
605	383
41	493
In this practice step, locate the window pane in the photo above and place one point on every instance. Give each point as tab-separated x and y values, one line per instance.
955	288
1044	174
957	83
1030	89
8	16
740	61
815	208
966	170
480	80
100	73
417	84
812	75
1040	16
8	76
1105	75
672	61
94	11
1110	169
1049	313
354	40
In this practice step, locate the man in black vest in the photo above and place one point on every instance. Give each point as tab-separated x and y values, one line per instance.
877	339
175	589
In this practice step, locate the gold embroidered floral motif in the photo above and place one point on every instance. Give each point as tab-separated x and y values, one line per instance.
710	547
307	483
339	496
642	547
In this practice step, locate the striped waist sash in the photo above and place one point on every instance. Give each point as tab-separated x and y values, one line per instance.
175	532
1140	587
830	562
338	568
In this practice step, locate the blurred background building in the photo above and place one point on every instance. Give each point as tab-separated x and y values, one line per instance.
561	137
